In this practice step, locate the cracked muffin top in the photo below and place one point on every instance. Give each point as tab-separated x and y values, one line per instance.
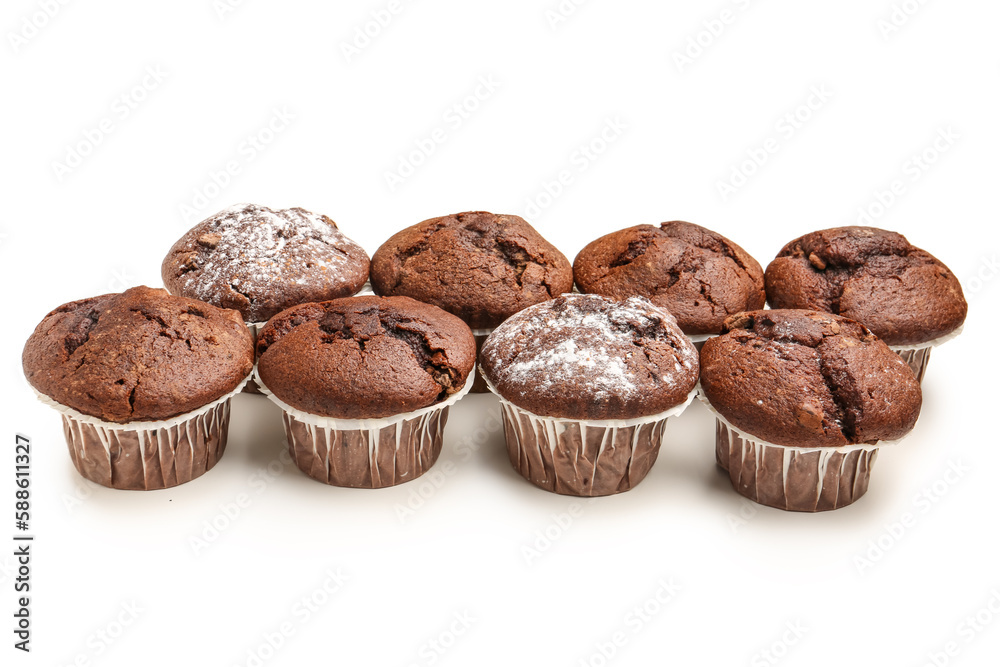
808	379
584	356
903	294
142	355
259	261
364	357
479	266
699	276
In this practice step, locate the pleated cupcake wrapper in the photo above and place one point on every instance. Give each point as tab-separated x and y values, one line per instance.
366	453
581	457
254	327
917	355
146	455
699	339
801	479
480	385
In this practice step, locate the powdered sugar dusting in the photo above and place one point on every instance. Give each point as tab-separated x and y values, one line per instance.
607	374
251	250
589	341
253	237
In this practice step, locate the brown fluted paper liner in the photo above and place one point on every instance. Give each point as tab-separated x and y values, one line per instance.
579	460
366	453
790	478
721	445
479	386
148	459
143	456
699	339
583	458
917	360
254	327
918	356
369	458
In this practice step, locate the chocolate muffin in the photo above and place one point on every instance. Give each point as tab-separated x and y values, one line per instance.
365	383
140	379
586	384
699	276
364	357
479	266
905	295
803	399
590	357
260	261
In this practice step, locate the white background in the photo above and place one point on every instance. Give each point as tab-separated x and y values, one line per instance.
859	589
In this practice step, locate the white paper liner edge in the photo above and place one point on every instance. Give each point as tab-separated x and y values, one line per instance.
483	332
675	411
76	415
843	449
700	338
930	343
338	424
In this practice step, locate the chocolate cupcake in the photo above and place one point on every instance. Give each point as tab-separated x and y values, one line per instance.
699	276
586	384
479	266
143	381
803	400
365	384
261	261
905	295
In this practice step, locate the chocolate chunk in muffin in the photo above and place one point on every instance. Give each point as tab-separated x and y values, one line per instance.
479	266
902	293
142	355
699	276
260	261
584	356
808	379
364	357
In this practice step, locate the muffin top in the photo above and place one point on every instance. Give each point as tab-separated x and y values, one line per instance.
808	379
584	356
699	276
480	266
902	293
364	357
259	261
142	355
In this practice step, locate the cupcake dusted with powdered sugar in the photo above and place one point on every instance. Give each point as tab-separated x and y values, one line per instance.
586	384
591	357
261	261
